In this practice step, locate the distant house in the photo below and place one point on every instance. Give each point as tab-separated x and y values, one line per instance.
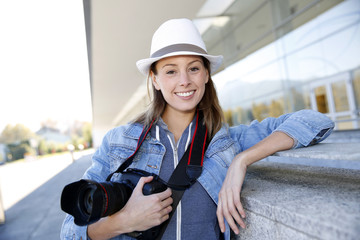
53	135
4	151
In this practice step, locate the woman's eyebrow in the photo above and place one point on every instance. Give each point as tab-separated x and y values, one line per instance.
194	61
169	64
173	64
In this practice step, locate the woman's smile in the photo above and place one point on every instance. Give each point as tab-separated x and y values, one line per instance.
185	94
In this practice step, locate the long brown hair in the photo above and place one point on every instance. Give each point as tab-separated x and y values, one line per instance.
209	104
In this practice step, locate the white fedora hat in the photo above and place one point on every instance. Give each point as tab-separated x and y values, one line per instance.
177	37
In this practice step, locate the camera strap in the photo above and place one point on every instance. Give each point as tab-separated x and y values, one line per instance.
190	165
129	160
188	169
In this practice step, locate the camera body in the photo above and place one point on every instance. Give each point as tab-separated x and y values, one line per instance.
88	201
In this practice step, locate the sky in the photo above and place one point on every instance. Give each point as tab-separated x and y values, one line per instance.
43	63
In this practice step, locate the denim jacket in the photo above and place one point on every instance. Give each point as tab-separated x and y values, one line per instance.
306	127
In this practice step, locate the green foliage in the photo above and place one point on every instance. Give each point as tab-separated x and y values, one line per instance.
15	134
18	151
18	138
87	134
228	117
45	147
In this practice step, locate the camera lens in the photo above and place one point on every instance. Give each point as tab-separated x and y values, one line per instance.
88	201
85	199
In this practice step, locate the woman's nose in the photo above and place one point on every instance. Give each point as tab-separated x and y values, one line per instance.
184	79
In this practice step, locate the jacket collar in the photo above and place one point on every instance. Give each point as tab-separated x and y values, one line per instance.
133	131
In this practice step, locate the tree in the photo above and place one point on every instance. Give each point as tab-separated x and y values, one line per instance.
87	134
49	123
228	114
17	138
16	134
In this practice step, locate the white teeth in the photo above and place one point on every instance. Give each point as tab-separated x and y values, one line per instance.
184	94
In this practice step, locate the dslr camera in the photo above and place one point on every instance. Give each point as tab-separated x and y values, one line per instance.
88	201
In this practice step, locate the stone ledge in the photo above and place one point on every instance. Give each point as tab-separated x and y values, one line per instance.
341	136
335	155
302	201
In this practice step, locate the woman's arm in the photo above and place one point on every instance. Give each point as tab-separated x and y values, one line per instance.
306	127
229	205
260	140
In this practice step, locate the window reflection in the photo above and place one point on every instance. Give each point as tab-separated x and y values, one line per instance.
321	99
280	76
343	123
356	84
340	96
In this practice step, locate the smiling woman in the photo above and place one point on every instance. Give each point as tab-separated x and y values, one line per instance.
160	142
44	73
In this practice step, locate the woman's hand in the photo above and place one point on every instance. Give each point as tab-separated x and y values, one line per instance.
139	213
229	205
145	212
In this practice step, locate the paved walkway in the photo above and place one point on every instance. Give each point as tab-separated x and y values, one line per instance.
38	215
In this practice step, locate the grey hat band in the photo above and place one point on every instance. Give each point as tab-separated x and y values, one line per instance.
178	48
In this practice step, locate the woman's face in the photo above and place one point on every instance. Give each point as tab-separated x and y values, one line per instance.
181	79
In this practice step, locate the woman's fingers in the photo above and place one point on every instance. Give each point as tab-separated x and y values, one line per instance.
238	205
225	198
165	194
220	217
231	209
142	181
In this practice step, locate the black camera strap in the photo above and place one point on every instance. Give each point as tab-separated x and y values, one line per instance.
188	169
190	165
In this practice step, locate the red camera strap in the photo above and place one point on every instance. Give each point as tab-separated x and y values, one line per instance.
190	165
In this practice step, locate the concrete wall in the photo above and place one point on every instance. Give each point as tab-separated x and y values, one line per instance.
299	201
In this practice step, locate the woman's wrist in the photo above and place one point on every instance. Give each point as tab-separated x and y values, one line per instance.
277	141
241	161
106	228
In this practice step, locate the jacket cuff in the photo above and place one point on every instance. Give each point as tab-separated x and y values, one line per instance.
307	127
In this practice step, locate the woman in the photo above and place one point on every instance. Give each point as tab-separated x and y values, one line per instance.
180	72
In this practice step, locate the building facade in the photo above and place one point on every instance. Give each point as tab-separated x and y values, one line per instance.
289	55
280	56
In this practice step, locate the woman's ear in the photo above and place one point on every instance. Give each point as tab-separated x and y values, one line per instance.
154	82
207	77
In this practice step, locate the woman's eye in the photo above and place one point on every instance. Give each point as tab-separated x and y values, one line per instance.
194	69
170	72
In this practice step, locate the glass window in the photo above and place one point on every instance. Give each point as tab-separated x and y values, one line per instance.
276	107
260	111
343	123
321	99
288	73
300	98
340	96
356	84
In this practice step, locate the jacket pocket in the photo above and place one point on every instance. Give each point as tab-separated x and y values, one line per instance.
118	154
